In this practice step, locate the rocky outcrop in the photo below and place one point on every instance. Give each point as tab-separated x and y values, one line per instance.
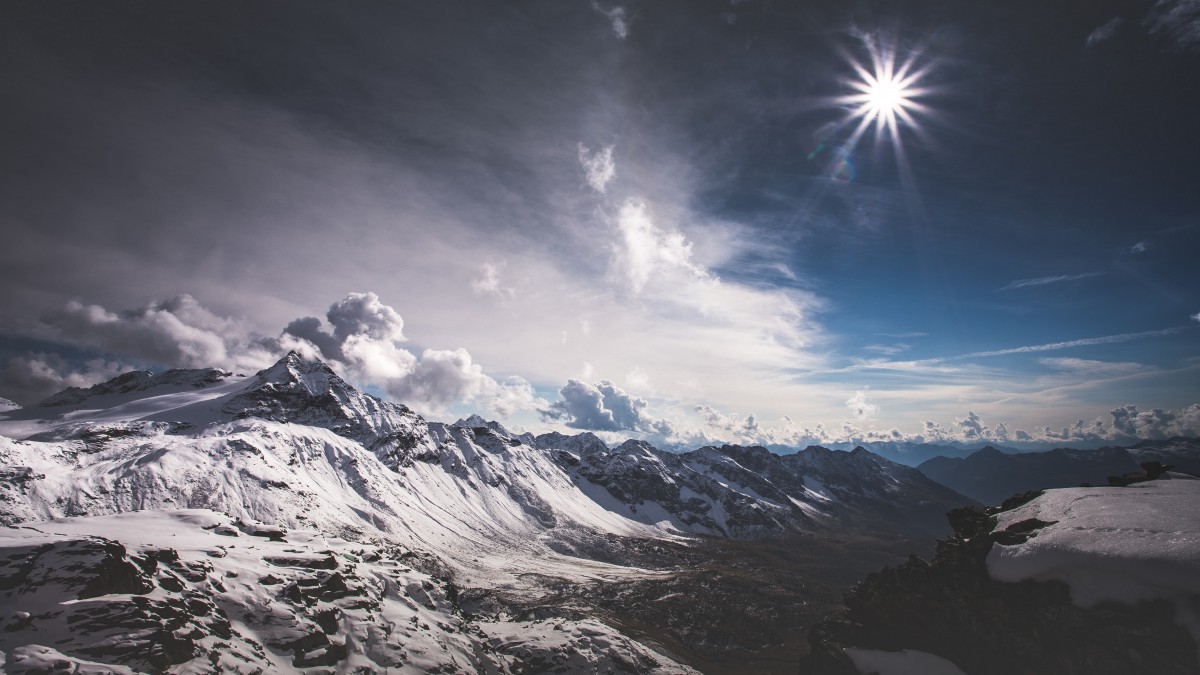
950	606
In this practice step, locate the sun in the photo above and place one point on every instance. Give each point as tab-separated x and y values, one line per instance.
885	93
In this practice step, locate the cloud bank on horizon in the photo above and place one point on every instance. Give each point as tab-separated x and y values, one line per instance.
645	219
363	338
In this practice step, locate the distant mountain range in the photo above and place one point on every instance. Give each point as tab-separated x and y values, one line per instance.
990	476
194	520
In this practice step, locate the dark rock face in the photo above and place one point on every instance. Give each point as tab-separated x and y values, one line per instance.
951	607
143	632
990	475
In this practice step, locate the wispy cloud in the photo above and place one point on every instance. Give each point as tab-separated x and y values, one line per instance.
1196	317
1083	342
1177	22
1140	247
618	18
489	283
1092	367
1042	281
598	166
887	350
1104	32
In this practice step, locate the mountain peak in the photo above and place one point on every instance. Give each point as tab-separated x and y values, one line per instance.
314	375
473	421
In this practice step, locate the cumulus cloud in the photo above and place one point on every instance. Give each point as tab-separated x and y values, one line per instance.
360	338
1043	281
598	166
363	341
602	407
1176	22
1104	32
970	426
860	407
1127	425
444	377
617	17
1156	423
31	378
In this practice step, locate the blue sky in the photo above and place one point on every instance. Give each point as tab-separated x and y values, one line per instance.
640	218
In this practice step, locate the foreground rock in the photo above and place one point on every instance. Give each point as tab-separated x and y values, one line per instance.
1130	583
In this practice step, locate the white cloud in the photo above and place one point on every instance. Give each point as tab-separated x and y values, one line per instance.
1140	247
1083	342
488	283
887	350
617	17
1156	423
645	250
1196	317
444	377
364	343
1042	281
860	407
971	426
1091	367
598	166
1104	32
637	379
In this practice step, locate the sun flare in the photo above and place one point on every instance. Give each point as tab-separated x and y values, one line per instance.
885	93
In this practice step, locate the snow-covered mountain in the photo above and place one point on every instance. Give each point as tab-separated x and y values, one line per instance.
295	450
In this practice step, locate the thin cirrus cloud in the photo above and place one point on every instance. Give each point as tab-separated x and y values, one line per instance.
1044	281
1083	342
1104	32
1177	23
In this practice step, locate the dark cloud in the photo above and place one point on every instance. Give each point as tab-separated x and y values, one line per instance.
177	332
603	407
33	377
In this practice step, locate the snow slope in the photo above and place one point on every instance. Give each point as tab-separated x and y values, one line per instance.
1130	544
195	591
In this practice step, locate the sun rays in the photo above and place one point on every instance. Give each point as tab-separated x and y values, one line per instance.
885	94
